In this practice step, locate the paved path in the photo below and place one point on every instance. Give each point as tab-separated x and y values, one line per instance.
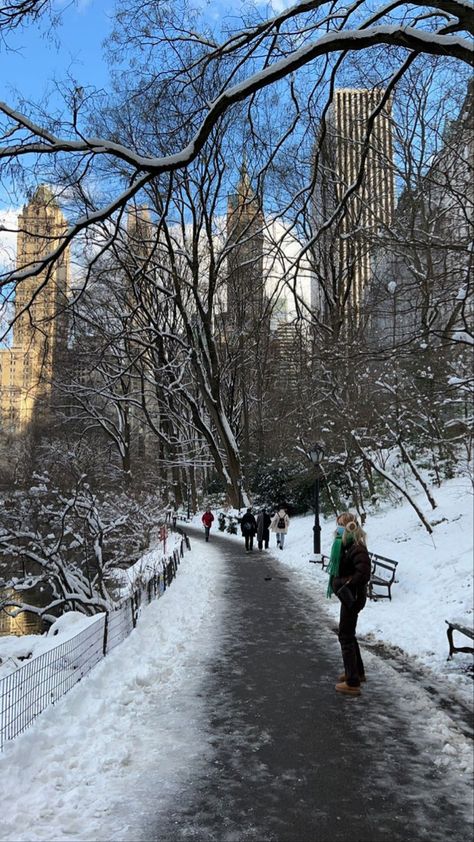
292	760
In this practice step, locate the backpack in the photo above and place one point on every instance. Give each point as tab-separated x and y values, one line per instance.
281	523
247	526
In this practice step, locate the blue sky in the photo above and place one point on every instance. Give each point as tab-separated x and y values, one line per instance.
42	55
39	54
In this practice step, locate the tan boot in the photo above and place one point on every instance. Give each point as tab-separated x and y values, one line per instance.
347	689
343	677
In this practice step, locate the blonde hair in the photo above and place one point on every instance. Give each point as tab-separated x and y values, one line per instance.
351	527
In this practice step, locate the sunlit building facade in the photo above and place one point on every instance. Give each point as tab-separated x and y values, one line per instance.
39	329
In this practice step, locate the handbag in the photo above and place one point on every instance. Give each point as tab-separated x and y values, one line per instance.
346	596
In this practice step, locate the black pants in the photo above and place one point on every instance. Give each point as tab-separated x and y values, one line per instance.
249	542
265	539
206	532
353	665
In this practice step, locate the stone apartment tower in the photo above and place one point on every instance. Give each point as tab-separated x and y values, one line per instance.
343	252
139	232
39	331
245	236
246	327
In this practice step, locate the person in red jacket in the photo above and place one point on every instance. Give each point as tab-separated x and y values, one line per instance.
207	520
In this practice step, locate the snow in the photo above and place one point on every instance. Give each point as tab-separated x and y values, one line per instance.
463	336
70	773
434	575
433	582
146	566
82	755
14	650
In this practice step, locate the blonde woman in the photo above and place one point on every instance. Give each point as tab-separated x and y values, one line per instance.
349	566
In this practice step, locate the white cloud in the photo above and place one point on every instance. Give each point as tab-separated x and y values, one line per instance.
277	5
8	226
82	5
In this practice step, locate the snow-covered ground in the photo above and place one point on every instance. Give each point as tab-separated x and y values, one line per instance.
71	774
433	583
434	577
68	776
15	649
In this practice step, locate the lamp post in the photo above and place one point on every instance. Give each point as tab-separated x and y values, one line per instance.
189	502
316	454
239	483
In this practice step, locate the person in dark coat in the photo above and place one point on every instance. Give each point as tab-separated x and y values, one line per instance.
248	527
349	565
263	529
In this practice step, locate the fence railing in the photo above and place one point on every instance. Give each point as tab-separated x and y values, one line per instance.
39	683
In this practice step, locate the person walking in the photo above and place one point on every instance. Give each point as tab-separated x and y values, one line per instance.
279	524
349	573
207	520
248	527
263	529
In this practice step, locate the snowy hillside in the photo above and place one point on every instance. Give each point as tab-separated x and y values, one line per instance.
434	580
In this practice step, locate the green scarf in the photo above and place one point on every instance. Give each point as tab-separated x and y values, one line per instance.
334	560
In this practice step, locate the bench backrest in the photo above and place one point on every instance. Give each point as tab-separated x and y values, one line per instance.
376	561
378	566
389	563
463	629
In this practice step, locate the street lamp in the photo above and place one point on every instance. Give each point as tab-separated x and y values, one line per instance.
316	454
189	503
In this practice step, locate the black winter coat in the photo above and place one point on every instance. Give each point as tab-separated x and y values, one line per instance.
248	524
263	525
354	564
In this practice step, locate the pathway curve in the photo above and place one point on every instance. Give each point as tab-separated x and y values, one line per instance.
291	760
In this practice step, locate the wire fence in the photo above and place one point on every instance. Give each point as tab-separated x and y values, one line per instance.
34	686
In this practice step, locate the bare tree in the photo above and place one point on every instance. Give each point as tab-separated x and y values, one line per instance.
17	13
250	61
190	90
72	544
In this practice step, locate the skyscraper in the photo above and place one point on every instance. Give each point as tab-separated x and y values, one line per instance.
39	330
421	286
353	195
245	281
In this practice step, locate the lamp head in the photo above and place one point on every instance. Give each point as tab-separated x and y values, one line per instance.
316	453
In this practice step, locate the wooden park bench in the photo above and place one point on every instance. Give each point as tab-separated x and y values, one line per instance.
382	574
465	630
323	560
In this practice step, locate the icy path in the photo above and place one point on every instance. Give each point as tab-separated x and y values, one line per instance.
217	721
295	762
120	742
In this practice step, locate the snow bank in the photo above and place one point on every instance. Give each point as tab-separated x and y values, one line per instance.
434	580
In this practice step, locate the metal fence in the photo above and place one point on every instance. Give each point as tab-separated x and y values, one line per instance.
34	686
